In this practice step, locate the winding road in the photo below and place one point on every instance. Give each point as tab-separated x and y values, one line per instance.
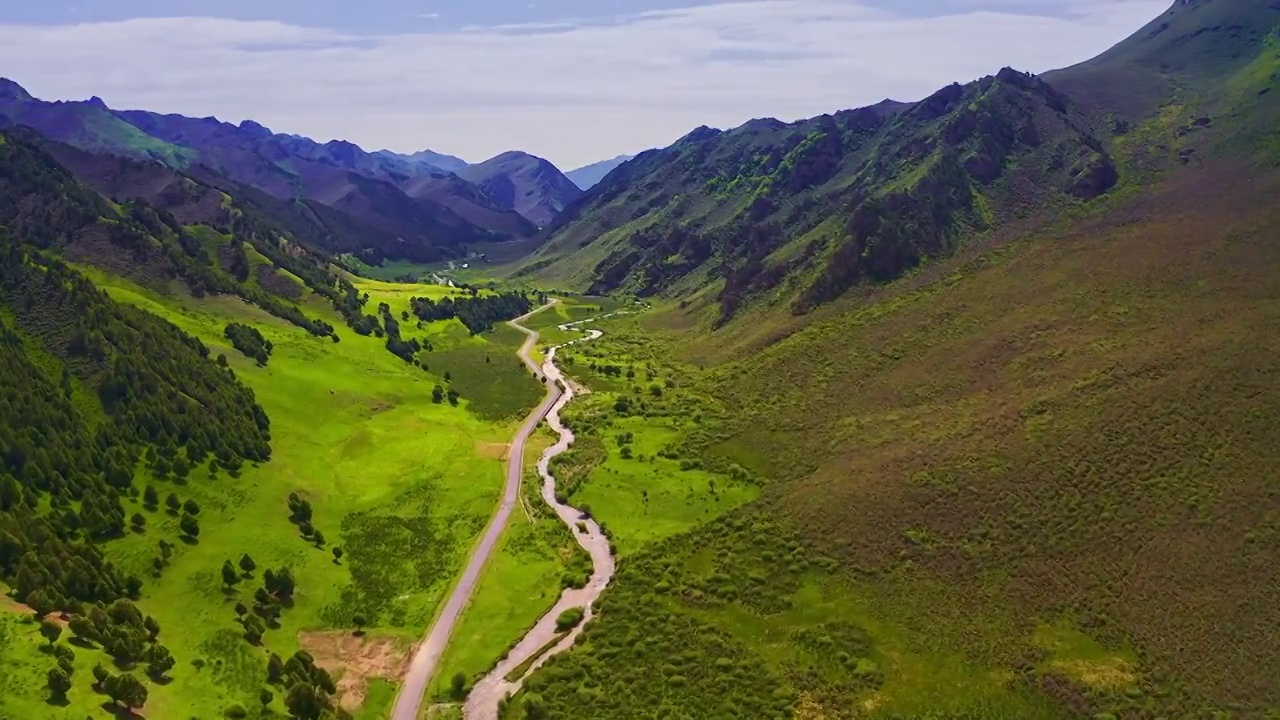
482	704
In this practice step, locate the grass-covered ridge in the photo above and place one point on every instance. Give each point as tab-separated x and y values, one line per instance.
206	514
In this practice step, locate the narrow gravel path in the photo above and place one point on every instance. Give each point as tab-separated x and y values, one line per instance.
482	703
427	657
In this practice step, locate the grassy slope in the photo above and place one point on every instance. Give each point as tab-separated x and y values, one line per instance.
355	431
1031	481
1062	439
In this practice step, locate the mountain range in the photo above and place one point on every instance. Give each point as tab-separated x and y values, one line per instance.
412	207
588	175
962	406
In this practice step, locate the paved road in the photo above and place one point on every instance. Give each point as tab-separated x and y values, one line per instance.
423	666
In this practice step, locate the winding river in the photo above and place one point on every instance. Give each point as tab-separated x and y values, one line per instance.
482	703
485	697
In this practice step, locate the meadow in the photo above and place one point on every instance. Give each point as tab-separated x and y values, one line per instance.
1031	481
402	484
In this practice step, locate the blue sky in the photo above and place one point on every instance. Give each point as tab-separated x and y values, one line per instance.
572	80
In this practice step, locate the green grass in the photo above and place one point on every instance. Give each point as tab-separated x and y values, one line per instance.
520	583
403	484
26	659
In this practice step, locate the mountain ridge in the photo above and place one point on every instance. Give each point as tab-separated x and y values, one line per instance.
588	175
525	183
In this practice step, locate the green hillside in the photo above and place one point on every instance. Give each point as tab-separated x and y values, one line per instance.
1012	440
798	214
216	450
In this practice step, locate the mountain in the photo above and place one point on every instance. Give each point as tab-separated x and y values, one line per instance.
588	175
1005	359
363	187
529	185
799	214
428	158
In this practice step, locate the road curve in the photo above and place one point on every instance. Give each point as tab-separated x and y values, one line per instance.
484	700
423	666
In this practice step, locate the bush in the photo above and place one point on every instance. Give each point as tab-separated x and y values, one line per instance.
569	619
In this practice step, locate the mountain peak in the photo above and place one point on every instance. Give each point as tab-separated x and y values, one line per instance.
256	129
97	102
10	90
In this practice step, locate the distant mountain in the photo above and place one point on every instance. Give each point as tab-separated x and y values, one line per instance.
428	158
364	187
588	175
527	184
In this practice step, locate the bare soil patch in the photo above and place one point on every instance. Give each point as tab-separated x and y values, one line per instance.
354	660
493	450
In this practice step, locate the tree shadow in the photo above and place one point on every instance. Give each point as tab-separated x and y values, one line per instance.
121	713
81	642
58	701
189	540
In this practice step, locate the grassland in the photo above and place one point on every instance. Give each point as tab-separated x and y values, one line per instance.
538	555
402	484
1029	483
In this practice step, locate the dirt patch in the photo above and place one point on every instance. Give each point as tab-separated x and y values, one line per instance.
8	604
493	450
1109	674
809	709
353	661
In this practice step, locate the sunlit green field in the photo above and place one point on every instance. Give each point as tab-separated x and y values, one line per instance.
402	484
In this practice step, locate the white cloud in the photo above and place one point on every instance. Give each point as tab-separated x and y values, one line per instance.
573	93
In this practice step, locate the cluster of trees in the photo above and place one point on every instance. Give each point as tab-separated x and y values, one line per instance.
479	313
124	689
61	477
406	350
248	340
439	394
309	689
269	600
124	633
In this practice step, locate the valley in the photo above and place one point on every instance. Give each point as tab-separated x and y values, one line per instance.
954	408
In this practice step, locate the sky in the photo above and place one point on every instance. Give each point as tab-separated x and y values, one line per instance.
573	81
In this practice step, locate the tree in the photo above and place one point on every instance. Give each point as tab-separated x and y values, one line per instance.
458	686
50	631
152	627
437	394
229	575
318	538
359	621
159	661
303	703
275	669
82	628
247	564
254	629
453	397
265	697
100	674
126	690
133	585
241	610
337	554
150	498
189	526
59	683
191	507
173	503
139	522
